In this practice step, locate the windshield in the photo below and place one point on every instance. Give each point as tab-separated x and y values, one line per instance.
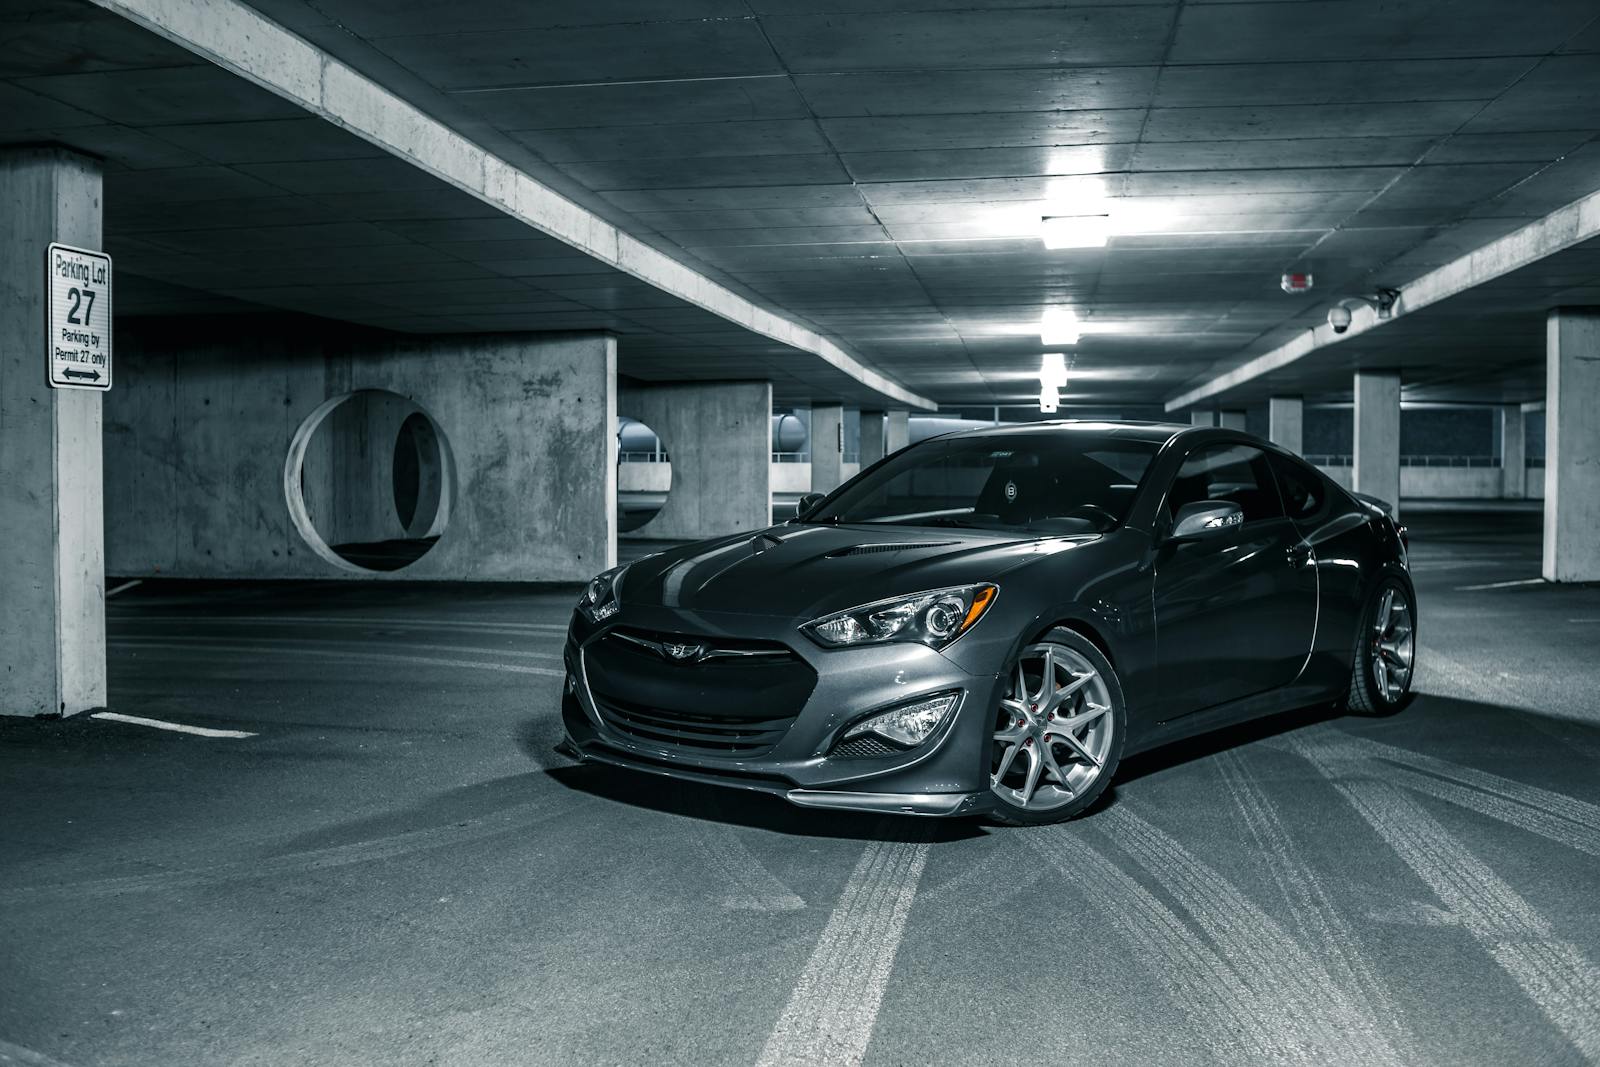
1049	482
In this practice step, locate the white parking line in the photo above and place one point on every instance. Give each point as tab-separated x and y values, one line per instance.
1499	585
834	1006
121	588
295	644
399	622
1552	972
160	724
376	657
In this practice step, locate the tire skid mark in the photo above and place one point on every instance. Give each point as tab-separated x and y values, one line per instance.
19	1056
1548	801
831	1013
1316	919
1553	973
1221	1007
1533	820
308	861
1316	1019
752	887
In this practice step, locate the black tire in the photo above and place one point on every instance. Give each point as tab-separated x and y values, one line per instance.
1366	696
1012	814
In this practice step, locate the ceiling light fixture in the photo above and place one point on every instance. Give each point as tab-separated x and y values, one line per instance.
1075	231
1053	370
1059	326
1049	399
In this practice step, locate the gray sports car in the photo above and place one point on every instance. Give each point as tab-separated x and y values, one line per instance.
987	622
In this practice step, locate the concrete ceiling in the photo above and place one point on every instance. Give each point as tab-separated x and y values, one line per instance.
874	167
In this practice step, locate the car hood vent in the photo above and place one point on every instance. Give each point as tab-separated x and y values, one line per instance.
888	546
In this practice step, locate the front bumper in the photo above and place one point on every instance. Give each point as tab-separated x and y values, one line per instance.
947	775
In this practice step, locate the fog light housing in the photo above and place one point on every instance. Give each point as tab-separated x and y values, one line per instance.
910	724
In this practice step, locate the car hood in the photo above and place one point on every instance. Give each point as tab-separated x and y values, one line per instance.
805	571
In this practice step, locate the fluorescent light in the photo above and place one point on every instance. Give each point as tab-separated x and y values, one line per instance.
1075	231
1049	399
1053	370
1058	327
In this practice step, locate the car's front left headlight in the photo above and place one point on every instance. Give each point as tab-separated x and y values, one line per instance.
934	618
599	600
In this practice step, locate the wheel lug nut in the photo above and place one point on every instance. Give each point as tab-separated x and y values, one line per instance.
1027	741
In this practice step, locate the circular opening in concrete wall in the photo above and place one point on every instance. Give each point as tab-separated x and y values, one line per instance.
644	474
368	481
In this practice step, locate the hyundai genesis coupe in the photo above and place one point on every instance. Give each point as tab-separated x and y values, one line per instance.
987	622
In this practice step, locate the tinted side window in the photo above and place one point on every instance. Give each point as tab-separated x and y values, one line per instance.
1235	473
1303	493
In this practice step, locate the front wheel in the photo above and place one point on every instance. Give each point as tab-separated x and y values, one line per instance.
1058	733
1385	653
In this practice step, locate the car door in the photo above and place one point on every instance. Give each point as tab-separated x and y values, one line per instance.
1235	611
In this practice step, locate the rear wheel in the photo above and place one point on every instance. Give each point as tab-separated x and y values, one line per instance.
1385	653
1058	732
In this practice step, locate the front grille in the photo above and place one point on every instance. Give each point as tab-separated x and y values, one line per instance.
737	698
704	733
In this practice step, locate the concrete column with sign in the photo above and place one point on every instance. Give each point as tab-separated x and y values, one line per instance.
827	447
1202	417
1375	466
1286	422
52	585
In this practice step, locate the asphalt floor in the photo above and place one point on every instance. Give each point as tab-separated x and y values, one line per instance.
397	868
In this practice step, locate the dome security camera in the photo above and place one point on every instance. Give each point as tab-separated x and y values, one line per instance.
1339	318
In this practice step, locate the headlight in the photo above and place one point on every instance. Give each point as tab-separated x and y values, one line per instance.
599	600
909	724
934	618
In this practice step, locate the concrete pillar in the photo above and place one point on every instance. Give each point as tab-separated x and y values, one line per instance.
827	447
871	437
1233	420
52	582
896	431
719	435
1202	417
1286	422
1572	446
1513	465
1375	467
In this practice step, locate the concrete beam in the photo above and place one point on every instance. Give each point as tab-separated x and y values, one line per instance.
719	435
1561	229
1572	446
52	582
1286	422
237	38
1375	465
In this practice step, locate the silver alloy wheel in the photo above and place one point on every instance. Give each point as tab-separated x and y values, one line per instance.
1057	718
1392	645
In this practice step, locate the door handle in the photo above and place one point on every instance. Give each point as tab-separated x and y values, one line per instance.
1299	555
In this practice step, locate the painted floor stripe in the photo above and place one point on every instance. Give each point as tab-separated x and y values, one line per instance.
829	1019
1318	921
1499	585
129	584
1552	972
1312	1018
175	727
295	644
751	886
376	657
400	622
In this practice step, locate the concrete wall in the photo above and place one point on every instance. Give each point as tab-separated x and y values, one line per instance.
719	435
644	477
205	411
1440	483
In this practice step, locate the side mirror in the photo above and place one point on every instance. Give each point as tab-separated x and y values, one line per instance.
1205	518
807	503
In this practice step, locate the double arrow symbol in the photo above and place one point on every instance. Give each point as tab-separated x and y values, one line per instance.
92	375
